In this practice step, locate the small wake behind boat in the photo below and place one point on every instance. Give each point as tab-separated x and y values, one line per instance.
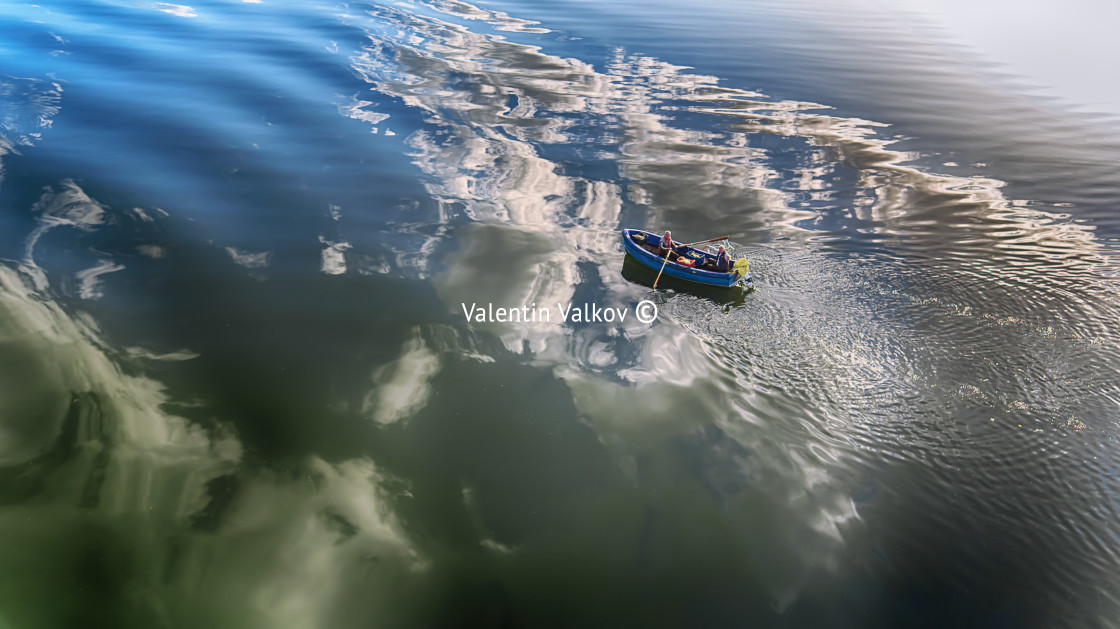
688	263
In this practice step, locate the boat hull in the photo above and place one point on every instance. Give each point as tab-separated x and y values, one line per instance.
631	238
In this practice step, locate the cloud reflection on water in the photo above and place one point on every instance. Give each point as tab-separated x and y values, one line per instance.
499	116
108	467
178	10
537	235
92	464
27	107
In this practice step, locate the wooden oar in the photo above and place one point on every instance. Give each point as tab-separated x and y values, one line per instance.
704	241
663	266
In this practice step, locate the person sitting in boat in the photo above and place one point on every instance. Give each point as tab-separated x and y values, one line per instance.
723	261
665	249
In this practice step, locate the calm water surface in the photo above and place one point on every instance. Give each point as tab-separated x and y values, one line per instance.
237	388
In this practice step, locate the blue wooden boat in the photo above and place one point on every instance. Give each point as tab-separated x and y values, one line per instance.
642	246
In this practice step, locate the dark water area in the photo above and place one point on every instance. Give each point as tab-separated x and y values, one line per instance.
238	388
